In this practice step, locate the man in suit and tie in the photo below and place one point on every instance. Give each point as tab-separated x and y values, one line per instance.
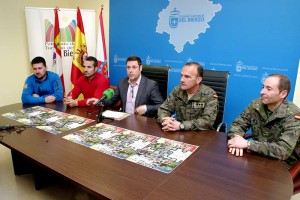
138	94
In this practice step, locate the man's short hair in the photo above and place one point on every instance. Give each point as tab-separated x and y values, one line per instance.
134	58
284	82
199	68
37	60
91	58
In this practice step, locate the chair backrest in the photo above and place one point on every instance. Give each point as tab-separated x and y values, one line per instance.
218	81
160	74
295	170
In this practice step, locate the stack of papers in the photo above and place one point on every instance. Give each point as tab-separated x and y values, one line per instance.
115	115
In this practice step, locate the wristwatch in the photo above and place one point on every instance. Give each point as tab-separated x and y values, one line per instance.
181	126
248	145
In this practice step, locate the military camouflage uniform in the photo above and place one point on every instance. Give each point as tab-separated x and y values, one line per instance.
197	113
275	134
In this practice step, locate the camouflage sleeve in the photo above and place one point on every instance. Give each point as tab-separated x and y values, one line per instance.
242	123
283	147
207	120
167	108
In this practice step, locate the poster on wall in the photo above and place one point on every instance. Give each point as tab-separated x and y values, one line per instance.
250	40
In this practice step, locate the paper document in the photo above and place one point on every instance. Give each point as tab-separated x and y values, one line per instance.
114	114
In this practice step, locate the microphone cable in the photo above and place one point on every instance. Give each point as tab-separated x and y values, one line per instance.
4	130
13	128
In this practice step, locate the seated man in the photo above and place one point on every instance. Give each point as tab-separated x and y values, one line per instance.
275	130
92	84
42	86
138	94
195	104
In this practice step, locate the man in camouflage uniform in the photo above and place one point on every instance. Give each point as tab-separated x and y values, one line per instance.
195	104
272	118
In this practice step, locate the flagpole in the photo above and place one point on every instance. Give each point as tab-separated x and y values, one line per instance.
101	46
57	56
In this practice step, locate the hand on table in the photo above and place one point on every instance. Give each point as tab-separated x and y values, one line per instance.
170	124
70	102
236	145
91	101
140	110
50	99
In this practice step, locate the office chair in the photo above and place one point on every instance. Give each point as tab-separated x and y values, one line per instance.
294	172
160	74
218	81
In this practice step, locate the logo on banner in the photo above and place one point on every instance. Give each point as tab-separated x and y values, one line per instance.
189	59
240	67
150	60
263	77
117	59
67	37
179	17
173	19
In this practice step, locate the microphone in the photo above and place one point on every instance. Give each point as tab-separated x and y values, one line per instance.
107	94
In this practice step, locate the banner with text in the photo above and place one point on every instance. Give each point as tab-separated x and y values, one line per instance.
40	33
251	40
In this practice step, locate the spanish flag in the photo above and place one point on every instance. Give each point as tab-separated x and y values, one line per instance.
80	50
57	61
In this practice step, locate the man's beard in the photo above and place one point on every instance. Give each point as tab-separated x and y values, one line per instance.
42	77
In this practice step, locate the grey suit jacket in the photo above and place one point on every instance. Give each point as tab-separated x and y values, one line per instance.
148	94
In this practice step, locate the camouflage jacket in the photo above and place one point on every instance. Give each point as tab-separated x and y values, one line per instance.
197	113
276	135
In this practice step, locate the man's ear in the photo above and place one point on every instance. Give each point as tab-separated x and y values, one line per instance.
199	80
283	94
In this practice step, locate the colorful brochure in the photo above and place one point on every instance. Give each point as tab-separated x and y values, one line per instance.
48	119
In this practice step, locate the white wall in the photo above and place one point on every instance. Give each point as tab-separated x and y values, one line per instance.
296	99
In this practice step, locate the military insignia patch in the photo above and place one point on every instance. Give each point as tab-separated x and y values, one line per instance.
198	105
25	86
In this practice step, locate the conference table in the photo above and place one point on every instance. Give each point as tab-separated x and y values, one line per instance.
209	173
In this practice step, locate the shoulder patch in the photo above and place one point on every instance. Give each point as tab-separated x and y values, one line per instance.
25	86
297	116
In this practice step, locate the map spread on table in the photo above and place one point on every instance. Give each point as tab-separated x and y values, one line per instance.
154	152
48	119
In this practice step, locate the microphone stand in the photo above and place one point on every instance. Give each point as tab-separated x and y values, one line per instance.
100	116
